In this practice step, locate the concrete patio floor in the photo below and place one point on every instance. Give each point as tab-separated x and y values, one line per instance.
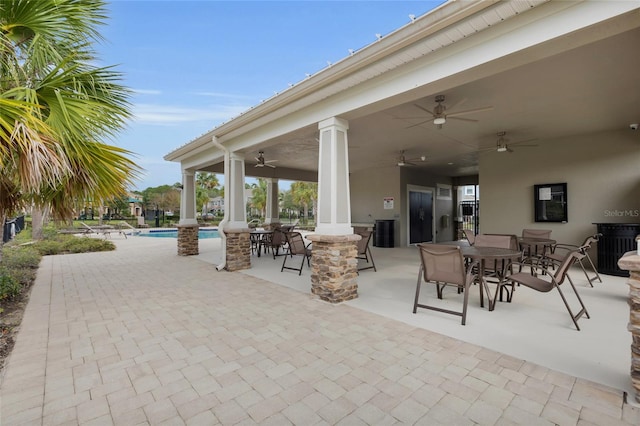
143	336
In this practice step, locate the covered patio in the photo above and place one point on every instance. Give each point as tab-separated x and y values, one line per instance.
506	95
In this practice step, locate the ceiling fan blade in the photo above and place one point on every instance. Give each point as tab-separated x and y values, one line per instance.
462	119
419	124
270	165
270	161
469	111
423	108
457	104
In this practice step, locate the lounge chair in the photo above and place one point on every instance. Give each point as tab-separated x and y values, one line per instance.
104	230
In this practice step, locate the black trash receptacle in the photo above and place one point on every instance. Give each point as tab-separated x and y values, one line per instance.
384	234
616	240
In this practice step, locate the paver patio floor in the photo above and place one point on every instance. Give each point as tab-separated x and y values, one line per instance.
143	336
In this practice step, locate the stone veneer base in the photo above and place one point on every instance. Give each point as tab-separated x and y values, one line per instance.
334	267
238	249
188	240
631	262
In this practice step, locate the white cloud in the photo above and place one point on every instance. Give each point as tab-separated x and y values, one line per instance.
147	91
167	115
223	95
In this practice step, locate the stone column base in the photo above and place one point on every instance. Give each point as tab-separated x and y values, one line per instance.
238	249
631	262
188	240
334	267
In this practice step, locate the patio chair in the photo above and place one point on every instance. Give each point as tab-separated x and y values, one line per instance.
547	281
275	242
364	249
534	253
297	247
443	265
469	235
536	233
559	251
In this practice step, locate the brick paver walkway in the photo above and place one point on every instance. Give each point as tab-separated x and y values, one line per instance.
142	336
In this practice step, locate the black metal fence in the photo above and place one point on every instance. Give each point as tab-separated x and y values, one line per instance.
12	227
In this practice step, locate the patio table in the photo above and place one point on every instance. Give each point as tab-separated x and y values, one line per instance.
501	256
259	238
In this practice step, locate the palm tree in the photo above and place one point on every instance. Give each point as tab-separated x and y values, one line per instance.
57	109
205	184
208	181
304	194
259	196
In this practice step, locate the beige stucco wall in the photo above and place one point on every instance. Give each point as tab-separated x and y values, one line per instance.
368	190
602	172
370	187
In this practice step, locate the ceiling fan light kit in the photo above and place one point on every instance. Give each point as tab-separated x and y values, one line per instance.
438	114
261	161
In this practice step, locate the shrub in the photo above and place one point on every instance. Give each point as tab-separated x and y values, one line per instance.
9	286
85	245
18	257
48	247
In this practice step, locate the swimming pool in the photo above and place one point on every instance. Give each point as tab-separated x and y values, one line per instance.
173	233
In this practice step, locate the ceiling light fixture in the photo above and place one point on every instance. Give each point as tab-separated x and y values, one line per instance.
502	148
438	112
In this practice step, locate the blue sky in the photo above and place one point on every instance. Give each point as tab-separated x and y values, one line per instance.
196	64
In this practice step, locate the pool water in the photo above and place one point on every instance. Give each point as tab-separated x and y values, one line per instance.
173	233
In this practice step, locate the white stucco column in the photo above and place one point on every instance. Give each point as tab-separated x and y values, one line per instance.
237	206
188	199
334	202
273	205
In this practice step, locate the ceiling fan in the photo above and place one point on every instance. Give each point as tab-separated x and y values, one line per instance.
262	162
440	114
403	161
501	143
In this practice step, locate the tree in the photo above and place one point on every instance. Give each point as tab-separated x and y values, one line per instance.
208	181
259	196
57	109
205	184
304	194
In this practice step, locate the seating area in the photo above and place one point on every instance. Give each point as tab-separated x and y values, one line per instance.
542	265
